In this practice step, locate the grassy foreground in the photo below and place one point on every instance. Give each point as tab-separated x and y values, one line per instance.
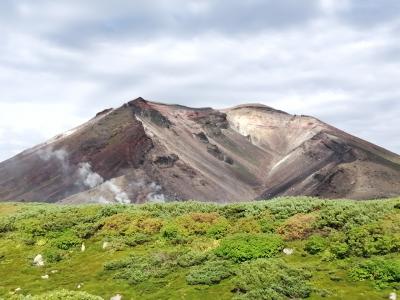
341	250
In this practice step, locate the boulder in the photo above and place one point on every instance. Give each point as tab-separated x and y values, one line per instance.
38	260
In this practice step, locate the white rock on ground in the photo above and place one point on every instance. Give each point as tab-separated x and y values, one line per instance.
105	245
38	260
116	297
288	251
393	296
83	247
17	290
45	276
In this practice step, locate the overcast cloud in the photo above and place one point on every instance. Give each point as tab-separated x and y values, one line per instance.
63	61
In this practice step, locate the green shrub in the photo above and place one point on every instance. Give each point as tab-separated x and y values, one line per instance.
116	224
315	244
348	214
339	250
7	224
173	233
32	226
52	256
148	225
137	239
66	241
109	210
242	247
133	275
136	269
210	273
118	264
382	271
191	258
298	226
371	240
267	226
246	225
271	279
235	211
170	232
219	229
197	223
85	231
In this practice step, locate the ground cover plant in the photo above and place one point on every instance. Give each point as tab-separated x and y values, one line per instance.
287	248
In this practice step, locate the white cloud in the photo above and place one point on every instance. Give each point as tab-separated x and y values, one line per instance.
62	62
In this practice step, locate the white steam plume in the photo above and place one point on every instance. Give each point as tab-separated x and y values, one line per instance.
60	155
120	196
92	179
88	177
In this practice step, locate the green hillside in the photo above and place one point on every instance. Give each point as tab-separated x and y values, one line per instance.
341	250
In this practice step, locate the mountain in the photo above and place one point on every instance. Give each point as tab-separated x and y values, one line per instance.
148	151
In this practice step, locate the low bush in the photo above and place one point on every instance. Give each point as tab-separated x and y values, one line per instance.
192	258
246	225
66	241
7	224
218	230
371	240
85	231
137	239
32	226
173	233
116	224
349	214
118	264
197	223
211	272
270	280
267	226
297	227
242	247
52	256
315	244
339	249
382	271
136	269
149	225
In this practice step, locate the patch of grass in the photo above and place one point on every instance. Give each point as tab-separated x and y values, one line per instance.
196	250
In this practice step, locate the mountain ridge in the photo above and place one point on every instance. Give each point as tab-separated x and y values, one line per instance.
150	151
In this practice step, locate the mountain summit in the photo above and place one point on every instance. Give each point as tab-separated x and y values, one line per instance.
147	151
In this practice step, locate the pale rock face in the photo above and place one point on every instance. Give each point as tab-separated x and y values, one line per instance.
38	260
116	297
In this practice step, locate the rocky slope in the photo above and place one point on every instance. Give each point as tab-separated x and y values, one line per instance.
147	151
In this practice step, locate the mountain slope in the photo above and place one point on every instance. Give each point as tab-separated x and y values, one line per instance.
147	151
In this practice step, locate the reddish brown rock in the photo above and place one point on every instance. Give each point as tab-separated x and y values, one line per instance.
148	151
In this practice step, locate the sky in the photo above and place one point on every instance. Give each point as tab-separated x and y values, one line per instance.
63	61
